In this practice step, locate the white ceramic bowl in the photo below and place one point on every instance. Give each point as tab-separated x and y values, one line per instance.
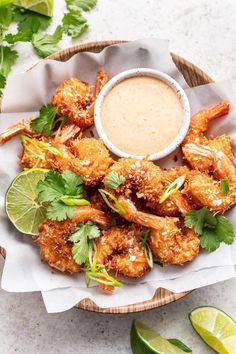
151	73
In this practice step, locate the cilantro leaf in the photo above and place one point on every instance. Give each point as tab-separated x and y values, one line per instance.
224	186
113	180
212	229
24	36
59	211
2	83
7	58
5	18
197	219
47	44
73	183
51	188
224	230
74	24
29	20
209	240
93	231
80	238
80	251
45	121
85	5
57	191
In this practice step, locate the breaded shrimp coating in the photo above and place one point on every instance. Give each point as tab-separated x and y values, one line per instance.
177	203
55	248
75	100
172	245
199	122
120	248
92	160
86	157
203	190
53	242
197	149
142	177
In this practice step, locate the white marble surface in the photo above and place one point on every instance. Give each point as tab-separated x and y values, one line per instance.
203	32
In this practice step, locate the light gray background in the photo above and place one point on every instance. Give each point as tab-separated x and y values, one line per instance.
203	32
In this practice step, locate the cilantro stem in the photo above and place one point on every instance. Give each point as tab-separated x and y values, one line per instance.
119	209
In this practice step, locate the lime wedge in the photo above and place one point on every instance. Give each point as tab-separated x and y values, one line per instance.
44	7
21	206
146	341
216	328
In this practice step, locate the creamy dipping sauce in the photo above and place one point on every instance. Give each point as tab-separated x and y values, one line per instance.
141	115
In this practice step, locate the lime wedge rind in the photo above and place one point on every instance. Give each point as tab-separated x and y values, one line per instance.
221	335
22	209
44	7
147	341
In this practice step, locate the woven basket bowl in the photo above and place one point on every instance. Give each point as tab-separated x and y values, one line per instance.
194	77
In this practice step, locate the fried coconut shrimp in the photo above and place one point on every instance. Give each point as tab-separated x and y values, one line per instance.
168	241
37	152
53	242
177	203
87	157
74	100
197	149
121	250
171	244
142	177
203	190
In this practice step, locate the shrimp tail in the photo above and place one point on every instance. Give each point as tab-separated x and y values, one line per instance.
83	214
22	127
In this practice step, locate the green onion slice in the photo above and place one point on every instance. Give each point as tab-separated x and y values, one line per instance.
119	209
74	200
148	255
41	145
103	278
96	271
172	188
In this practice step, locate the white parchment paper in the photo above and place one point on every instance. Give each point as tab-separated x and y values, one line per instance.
25	94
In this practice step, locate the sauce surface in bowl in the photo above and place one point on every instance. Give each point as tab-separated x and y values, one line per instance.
141	115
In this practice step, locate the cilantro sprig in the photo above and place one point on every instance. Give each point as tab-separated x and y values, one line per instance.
80	239
31	27
84	252
61	193
47	44
47	120
213	229
113	180
74	24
